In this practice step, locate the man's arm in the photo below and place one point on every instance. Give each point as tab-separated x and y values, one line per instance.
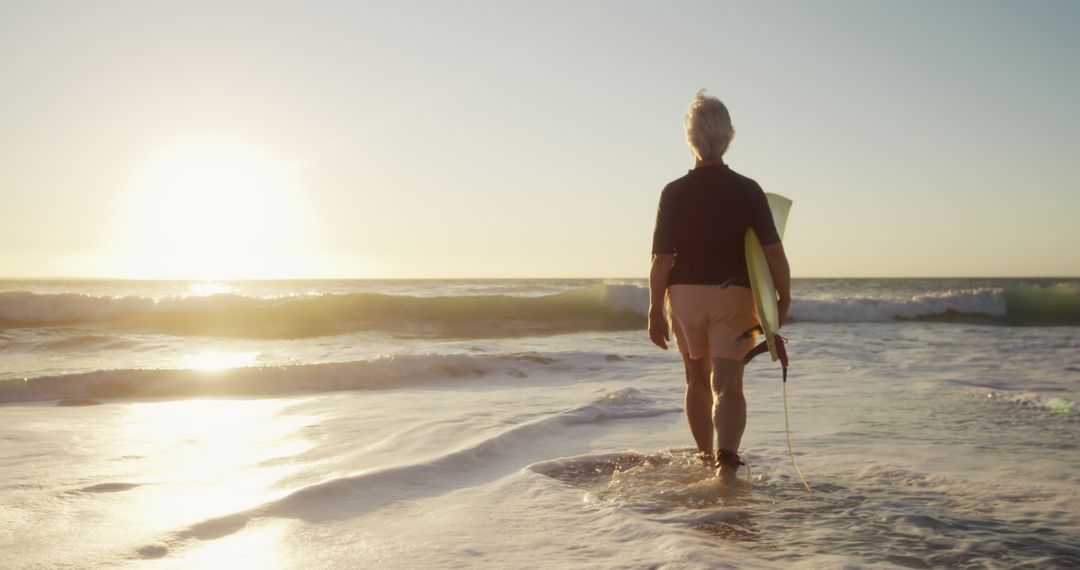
658	283
781	276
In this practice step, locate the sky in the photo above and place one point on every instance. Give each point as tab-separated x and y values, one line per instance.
215	140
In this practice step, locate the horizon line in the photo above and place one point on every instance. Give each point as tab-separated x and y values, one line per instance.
637	278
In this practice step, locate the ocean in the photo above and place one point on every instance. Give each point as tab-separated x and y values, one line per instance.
528	424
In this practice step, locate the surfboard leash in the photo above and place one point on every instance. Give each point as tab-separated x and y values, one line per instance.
781	351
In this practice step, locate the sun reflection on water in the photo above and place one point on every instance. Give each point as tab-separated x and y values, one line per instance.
219	360
207	288
258	546
213	458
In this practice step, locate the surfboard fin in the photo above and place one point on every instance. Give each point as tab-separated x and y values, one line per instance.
763	347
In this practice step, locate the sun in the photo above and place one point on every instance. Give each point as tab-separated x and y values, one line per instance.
212	208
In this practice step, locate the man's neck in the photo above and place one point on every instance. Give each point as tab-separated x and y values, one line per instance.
698	163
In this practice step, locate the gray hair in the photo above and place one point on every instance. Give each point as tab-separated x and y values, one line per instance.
708	127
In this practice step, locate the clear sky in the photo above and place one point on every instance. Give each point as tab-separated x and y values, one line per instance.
528	139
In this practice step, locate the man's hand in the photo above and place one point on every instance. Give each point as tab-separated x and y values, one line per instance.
658	282
658	329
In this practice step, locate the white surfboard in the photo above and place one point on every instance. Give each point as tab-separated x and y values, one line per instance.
761	281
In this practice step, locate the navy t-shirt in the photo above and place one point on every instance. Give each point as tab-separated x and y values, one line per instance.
701	220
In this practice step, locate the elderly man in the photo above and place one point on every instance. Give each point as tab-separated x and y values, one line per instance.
699	266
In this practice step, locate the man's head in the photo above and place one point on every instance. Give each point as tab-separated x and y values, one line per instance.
708	127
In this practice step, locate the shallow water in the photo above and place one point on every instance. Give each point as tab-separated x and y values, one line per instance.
927	444
873	515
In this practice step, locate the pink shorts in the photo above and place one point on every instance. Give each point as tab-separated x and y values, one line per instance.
709	320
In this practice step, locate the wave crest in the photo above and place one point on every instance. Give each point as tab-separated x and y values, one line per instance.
378	373
601	307
987	303
596	308
1023	306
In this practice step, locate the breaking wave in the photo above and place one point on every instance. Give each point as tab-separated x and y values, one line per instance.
1023	306
387	372
596	308
979	304
601	307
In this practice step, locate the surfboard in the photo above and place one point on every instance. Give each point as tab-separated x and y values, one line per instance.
761	281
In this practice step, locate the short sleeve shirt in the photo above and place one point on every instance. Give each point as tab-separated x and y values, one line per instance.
702	218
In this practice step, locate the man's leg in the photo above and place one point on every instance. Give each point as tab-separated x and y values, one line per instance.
729	408
699	404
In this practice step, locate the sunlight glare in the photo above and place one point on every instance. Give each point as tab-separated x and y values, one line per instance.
207	288
215	456
219	360
213	208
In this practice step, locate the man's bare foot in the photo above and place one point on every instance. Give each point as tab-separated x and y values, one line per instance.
726	474
727	463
